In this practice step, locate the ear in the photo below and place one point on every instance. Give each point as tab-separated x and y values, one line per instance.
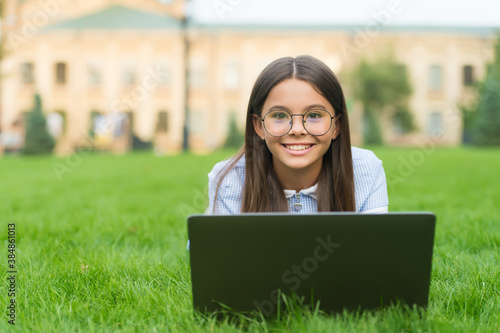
336	127
258	126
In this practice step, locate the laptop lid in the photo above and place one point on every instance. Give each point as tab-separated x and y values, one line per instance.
343	260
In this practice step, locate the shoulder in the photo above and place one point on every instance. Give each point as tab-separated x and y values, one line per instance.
367	169
222	166
364	161
360	154
369	180
225	195
234	176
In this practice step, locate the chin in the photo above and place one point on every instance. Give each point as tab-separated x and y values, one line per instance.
299	165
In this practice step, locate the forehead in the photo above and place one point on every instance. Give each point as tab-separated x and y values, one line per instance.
295	95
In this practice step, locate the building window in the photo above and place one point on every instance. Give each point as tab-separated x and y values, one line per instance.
435	125
94	72
398	125
131	121
163	73
61	72
231	76
128	73
94	115
162	122
436	77
27	73
196	122
56	123
468	75
197	74
64	117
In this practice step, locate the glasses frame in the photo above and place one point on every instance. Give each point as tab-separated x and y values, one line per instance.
291	125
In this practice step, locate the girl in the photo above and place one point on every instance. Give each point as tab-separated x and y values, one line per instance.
297	156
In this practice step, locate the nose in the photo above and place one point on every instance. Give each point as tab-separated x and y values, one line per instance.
297	125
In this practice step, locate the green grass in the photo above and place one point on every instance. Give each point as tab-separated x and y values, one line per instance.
105	248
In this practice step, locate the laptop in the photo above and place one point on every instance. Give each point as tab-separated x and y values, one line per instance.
336	261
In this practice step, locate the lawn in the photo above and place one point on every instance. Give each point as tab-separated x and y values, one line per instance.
101	243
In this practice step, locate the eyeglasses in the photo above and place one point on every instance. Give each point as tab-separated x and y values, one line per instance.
279	122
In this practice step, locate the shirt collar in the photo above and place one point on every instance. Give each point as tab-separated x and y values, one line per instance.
311	191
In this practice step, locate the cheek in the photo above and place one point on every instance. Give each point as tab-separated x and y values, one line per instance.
271	140
326	141
272	143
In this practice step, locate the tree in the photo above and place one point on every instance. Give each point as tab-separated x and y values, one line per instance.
234	137
37	139
482	116
383	86
2	53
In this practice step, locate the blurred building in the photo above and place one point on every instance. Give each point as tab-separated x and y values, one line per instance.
93	61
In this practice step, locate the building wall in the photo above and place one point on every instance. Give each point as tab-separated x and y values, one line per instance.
251	52
224	64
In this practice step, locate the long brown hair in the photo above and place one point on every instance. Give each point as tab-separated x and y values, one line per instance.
262	191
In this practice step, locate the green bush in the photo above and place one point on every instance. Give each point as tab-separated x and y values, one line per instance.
234	137
383	86
371	129
486	125
482	116
38	139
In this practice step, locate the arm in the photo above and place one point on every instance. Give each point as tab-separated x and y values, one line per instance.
229	197
377	201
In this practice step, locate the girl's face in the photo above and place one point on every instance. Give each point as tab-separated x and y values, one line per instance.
297	150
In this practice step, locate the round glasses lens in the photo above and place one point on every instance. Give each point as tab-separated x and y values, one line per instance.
277	122
317	122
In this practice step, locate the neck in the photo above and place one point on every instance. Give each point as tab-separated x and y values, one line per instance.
297	179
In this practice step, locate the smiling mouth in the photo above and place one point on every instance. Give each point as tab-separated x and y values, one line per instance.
297	147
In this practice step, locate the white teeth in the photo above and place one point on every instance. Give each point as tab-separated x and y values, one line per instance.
298	147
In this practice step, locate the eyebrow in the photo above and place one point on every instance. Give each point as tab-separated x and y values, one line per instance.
313	106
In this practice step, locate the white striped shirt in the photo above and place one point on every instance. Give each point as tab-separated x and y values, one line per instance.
370	188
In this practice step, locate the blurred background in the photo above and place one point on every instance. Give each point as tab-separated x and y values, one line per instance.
97	86
176	75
